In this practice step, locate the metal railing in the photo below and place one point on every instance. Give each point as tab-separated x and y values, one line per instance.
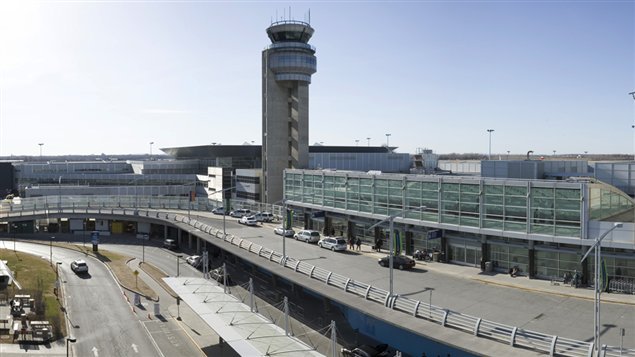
551	344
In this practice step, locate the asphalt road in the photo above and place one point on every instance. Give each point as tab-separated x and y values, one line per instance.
565	316
101	318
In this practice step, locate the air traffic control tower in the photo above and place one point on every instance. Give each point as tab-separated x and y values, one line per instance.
287	66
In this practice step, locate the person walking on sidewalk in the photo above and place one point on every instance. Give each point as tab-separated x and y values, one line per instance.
358	242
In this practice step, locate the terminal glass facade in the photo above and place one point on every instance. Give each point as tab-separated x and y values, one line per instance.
546	207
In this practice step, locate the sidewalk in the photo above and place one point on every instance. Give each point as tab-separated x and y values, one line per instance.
502	279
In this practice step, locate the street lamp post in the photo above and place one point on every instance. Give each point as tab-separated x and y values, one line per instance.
151	143
598	260
388	140
177	264
391	220
489	151
225	211
41	144
71	340
51	249
368	140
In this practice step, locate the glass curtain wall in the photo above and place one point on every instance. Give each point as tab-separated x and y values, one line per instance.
548	208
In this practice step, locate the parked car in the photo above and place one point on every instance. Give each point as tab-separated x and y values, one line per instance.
284	232
217	274
219	210
366	351
79	266
398	261
333	243
193	260
308	236
169	244
264	217
241	212
248	220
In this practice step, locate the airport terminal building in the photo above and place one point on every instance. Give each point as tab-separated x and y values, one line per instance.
542	227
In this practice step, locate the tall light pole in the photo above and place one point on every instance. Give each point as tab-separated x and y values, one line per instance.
368	139
391	220
489	152
177	264
71	340
598	260
41	144
151	143
356	142
284	227
51	249
388	139
554	153
225	210
632	94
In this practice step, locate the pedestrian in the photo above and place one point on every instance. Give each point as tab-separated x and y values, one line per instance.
351	243
358	242
379	244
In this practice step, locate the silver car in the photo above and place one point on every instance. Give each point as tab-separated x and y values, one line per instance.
308	236
333	243
284	232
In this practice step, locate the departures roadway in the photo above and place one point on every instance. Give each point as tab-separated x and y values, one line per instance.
567	314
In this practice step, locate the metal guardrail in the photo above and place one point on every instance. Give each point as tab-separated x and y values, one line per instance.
552	344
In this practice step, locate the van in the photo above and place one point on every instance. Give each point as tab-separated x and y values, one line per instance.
238	213
264	217
169	244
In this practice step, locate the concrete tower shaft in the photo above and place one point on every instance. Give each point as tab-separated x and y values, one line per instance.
287	66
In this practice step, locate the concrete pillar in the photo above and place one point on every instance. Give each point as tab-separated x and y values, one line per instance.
484	251
409	242
298	290
198	245
165	232
327	304
274	281
327	226
189	240
179	240
308	222
350	228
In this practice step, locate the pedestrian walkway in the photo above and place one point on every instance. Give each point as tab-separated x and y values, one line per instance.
519	282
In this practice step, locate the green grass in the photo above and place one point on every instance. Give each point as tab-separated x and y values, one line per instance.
37	278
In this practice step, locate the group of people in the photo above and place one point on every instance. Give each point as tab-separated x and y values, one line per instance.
352	242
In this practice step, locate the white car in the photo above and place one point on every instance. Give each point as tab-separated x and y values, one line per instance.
264	217
333	243
79	266
248	220
284	232
239	213
193	260
308	236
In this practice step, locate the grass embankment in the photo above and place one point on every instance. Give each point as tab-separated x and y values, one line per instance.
37	278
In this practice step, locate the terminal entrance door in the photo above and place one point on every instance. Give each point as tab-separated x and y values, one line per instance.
464	254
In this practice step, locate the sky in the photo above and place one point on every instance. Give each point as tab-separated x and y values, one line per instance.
93	77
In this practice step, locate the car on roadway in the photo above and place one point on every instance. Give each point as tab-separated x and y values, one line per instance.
333	243
241	212
219	210
193	260
248	220
308	236
264	217
217	274
284	232
169	244
79	266
400	262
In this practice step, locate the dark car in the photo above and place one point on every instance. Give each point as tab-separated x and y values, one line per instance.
217	274
366	351
398	261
